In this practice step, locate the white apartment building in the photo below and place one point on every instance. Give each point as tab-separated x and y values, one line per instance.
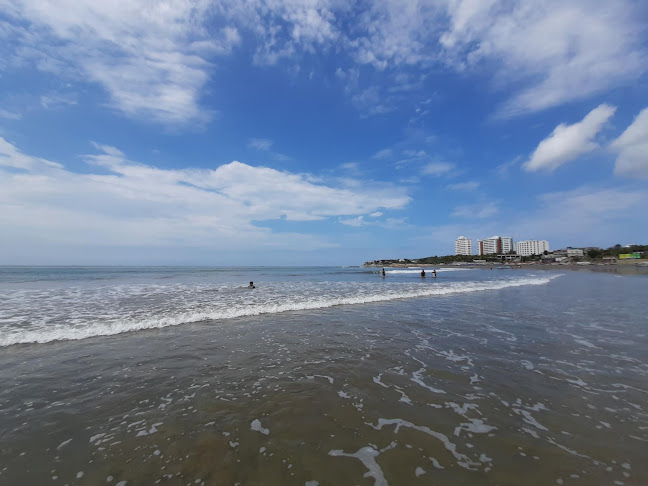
497	245
463	246
507	244
531	247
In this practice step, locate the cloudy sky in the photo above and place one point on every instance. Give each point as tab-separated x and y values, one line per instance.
278	132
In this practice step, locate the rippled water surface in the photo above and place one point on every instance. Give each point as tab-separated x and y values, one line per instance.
322	376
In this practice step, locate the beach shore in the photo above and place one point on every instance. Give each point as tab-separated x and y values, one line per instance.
624	268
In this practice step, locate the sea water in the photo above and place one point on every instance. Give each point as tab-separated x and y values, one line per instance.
321	375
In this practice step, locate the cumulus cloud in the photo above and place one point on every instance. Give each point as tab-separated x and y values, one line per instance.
567	142
132	204
632	147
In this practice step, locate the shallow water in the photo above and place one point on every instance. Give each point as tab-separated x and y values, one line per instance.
478	377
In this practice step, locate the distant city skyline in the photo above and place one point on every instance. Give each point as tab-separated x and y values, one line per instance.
317	133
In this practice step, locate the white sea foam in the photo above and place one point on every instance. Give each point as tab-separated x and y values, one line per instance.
462	459
64	443
73	314
417	270
367	455
256	426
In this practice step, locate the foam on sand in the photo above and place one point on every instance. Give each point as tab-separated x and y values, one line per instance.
367	456
256	426
462	459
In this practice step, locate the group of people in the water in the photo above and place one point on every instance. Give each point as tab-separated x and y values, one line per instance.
252	286
422	273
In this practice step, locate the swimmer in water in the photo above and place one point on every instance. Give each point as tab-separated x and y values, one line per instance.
422	273
383	273
251	286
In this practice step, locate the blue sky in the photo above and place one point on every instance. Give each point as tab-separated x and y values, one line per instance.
283	132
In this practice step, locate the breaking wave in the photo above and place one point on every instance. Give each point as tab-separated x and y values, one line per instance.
157	307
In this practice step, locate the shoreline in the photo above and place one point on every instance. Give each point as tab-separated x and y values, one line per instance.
616	268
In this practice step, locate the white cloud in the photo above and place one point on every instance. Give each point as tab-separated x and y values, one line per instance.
377	214
356	222
57	100
437	168
371	101
632	147
9	115
131	204
261	143
151	58
388	223
555	51
154	59
464	186
392	33
567	142
382	154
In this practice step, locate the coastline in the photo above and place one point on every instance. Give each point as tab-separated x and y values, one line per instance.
616	268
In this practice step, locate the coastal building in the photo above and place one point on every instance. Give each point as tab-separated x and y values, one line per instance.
463	246
495	245
507	244
574	252
531	247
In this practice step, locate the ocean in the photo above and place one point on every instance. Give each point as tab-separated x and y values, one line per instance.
322	376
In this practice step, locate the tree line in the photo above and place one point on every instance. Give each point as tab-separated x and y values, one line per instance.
615	251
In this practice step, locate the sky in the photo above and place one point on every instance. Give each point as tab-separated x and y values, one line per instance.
317	132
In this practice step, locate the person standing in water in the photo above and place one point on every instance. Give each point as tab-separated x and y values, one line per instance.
434	273
422	273
383	273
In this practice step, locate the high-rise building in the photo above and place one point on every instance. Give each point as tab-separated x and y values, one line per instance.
507	244
495	245
531	247
463	246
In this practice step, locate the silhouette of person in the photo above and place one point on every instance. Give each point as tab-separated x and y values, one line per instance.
251	286
434	273
383	273
423	273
